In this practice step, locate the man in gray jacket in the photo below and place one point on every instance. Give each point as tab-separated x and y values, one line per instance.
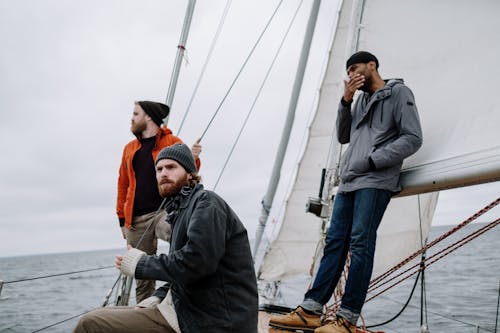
210	279
382	128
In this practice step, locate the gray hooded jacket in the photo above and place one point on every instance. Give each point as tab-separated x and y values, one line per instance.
384	128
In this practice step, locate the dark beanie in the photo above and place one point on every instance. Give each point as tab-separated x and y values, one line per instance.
157	111
361	57
179	153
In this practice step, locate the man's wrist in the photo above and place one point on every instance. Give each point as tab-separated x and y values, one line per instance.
344	102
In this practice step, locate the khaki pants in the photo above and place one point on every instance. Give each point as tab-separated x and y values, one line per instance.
144	288
123	319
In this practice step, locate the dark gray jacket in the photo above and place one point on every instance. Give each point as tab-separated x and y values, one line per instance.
209	268
385	128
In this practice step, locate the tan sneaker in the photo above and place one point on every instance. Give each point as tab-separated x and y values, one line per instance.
296	320
339	325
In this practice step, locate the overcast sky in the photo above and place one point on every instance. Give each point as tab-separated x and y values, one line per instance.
70	72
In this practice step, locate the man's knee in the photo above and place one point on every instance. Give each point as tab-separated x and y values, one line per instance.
87	324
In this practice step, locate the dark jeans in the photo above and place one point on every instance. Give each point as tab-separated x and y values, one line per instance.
355	219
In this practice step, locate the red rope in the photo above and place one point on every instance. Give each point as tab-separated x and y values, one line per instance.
444	252
434	242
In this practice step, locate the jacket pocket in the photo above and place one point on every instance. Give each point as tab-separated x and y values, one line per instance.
211	304
356	161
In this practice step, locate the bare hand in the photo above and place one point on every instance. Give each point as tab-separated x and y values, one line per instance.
196	149
351	85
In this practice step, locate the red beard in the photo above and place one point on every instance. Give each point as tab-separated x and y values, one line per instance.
137	128
168	188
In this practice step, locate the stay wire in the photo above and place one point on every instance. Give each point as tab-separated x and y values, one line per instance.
241	70
268	72
207	59
498	305
62	321
60	274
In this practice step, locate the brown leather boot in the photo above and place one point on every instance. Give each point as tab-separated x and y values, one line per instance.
296	320
339	325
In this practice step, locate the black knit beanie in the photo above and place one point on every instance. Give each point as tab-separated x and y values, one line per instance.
361	57
157	111
179	153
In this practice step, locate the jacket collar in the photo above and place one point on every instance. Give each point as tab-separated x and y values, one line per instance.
187	199
378	95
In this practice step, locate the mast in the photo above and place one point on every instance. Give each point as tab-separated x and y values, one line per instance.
285	135
181	48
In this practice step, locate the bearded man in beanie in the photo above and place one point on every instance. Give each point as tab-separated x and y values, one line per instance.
209	274
382	128
138	198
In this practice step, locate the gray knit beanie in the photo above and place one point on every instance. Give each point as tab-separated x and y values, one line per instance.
179	153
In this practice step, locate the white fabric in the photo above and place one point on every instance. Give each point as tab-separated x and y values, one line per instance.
167	309
150	302
130	260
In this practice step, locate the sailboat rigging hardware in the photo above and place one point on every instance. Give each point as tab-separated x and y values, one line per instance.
241	69
435	241
205	64
268	72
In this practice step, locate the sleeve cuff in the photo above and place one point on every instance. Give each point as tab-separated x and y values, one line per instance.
344	103
130	260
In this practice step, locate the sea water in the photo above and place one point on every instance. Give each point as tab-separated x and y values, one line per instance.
462	290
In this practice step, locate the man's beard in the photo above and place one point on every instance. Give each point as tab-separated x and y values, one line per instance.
368	83
138	128
168	188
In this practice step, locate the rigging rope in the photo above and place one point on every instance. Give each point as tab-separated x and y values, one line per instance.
268	72
402	309
437	240
241	69
441	254
209	56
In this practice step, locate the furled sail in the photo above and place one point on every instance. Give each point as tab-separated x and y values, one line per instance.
443	50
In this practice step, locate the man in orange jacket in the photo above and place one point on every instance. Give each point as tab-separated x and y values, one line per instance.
138	198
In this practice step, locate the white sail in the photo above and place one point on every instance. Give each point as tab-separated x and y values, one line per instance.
445	51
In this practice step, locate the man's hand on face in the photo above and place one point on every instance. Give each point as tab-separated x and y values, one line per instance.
351	85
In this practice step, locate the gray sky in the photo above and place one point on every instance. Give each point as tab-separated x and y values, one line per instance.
70	72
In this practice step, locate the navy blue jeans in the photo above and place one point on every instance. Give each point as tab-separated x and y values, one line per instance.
355	219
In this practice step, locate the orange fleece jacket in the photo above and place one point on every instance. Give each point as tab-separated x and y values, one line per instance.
126	177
